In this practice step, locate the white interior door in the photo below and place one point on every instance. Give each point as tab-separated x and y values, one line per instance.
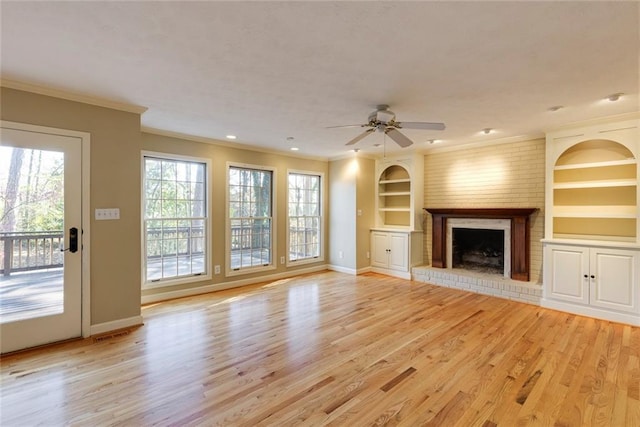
41	259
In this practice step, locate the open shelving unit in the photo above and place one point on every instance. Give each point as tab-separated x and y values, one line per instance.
595	187
394	196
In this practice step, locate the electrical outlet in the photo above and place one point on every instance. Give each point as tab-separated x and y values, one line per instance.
216	269
281	260
340	254
368	255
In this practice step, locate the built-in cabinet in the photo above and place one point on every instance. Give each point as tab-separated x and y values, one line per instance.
593	277
395	252
396	239
591	246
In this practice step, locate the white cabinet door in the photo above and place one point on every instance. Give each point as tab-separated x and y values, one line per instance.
398	254
613	277
379	249
565	273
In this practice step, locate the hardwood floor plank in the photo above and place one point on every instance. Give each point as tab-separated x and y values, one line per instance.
330	349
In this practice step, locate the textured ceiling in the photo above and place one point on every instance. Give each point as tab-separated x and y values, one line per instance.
265	71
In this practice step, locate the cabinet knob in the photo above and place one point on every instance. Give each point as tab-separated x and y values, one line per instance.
593	277
586	276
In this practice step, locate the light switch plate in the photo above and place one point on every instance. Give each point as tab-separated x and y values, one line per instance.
107	214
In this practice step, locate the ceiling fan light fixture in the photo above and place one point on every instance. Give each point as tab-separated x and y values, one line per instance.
487	131
555	108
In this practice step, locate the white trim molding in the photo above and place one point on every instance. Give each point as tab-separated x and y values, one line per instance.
164	296
71	96
114	325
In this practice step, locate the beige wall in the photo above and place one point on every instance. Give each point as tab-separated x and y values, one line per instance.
495	176
365	204
220	155
115	183
342	211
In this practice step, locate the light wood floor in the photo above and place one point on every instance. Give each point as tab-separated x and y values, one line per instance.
334	349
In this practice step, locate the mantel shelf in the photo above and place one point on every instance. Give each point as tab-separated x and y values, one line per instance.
481	212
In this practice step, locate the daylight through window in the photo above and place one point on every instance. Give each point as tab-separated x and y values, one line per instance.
250	217
175	218
304	216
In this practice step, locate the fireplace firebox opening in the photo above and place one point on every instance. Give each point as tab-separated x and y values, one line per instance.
478	249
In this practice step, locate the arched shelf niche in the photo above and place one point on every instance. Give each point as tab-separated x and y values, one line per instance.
595	192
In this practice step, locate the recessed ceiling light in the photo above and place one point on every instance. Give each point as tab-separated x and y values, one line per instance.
556	108
434	141
355	150
294	148
231	137
614	96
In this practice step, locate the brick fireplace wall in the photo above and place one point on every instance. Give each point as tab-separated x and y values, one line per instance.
507	175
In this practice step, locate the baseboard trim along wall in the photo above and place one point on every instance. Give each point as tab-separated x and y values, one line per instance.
101	328
164	296
344	270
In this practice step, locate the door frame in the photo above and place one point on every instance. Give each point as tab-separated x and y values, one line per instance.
85	139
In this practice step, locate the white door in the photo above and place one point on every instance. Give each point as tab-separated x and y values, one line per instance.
380	249
568	273
398	245
613	278
41	232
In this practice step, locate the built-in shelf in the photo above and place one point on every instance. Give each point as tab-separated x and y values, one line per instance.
407	209
596	164
592	187
596	184
395	193
394	181
619	211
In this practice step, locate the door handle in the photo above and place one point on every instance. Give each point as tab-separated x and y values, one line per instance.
73	241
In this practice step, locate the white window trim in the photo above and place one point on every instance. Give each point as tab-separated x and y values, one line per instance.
227	240
320	258
183	279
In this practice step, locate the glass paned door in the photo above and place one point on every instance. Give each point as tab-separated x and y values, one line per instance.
40	238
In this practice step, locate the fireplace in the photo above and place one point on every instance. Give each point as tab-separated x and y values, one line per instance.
512	225
482	245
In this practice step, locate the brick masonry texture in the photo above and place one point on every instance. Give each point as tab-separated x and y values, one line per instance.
487	284
509	175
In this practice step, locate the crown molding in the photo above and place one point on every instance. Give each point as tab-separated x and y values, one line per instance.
635	115
482	144
71	96
235	145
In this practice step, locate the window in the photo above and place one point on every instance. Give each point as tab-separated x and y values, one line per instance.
305	216
175	219
250	218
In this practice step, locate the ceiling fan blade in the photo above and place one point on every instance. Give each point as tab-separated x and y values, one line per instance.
345	126
399	138
421	125
359	137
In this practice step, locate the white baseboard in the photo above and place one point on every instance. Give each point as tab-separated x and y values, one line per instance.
363	270
163	296
341	269
101	328
394	273
629	319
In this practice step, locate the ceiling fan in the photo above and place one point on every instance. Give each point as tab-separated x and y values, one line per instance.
384	120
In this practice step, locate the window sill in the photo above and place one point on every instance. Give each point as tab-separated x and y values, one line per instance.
175	282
